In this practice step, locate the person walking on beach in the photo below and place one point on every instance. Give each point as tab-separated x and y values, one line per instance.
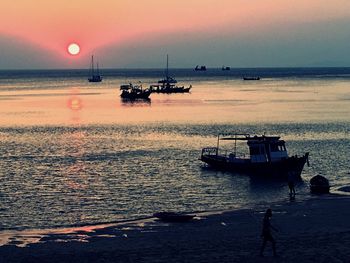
266	233
291	185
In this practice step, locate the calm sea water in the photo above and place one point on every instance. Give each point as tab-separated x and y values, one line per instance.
73	153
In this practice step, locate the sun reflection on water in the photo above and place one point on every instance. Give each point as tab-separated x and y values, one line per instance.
75	104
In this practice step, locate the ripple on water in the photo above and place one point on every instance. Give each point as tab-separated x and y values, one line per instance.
61	176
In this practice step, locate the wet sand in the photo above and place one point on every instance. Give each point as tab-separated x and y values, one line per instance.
316	230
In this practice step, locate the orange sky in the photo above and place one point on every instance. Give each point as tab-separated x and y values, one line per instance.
53	24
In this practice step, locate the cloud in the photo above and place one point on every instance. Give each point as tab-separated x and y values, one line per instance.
17	53
315	44
140	33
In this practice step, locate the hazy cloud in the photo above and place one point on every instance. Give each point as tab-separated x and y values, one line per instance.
138	34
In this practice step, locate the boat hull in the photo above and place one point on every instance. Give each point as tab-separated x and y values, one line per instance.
171	90
134	96
125	96
173	217
277	170
95	79
251	78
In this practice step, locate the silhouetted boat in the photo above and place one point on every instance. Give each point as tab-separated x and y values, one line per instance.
200	68
225	68
251	78
168	84
169	88
173	217
94	73
267	157
133	92
319	185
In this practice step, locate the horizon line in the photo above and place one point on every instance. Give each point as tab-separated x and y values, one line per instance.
192	68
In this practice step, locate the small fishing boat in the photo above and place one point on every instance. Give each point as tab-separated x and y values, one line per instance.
94	73
200	68
169	88
266	157
133	92
173	217
168	84
251	78
225	68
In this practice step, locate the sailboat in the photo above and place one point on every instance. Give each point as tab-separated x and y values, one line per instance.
168	84
95	74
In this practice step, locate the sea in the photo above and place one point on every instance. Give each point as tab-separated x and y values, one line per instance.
72	153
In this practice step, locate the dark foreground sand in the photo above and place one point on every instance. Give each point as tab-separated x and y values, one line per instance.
316	230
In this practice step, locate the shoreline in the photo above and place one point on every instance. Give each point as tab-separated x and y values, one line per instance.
317	228
25	237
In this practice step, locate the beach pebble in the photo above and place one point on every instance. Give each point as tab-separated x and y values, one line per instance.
125	235
223	223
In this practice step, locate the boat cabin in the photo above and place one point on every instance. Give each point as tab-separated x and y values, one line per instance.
266	149
262	149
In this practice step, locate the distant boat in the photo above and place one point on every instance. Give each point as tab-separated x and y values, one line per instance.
169	88
200	68
225	68
133	92
168	84
94	74
251	78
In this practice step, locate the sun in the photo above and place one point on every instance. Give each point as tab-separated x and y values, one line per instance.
73	49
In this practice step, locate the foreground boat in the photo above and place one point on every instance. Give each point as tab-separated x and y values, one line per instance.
133	92
267	157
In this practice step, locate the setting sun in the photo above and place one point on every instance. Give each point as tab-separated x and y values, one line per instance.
73	49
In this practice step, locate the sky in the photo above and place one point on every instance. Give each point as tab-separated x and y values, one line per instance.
138	34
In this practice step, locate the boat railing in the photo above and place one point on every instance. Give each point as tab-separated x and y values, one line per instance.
238	155
126	86
233	155
210	151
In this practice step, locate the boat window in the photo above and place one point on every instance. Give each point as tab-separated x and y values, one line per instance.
254	150
282	148
274	148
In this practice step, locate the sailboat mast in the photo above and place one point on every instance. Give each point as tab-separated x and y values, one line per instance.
92	65
167	66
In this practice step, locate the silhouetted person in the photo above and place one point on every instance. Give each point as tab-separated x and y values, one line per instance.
266	233
291	184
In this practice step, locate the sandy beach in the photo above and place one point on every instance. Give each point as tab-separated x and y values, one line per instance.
316	230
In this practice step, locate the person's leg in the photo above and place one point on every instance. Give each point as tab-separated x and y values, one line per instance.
263	247
290	188
273	246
